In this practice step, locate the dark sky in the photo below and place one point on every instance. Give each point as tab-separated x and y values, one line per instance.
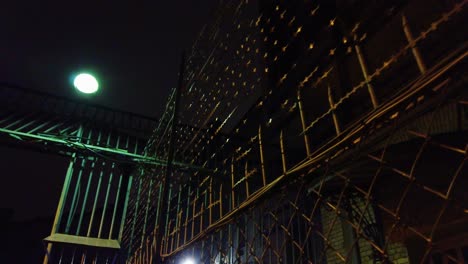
133	48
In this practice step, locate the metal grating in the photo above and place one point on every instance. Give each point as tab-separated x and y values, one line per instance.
328	132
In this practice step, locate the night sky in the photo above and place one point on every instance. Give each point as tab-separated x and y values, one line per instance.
133	48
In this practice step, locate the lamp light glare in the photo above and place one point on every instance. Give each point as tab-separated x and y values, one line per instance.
86	83
188	261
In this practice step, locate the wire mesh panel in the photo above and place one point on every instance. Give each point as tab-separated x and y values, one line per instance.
312	132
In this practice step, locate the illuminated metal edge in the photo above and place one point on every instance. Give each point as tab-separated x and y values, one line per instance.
82	146
83	241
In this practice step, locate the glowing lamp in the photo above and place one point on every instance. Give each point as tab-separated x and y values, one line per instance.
188	261
86	83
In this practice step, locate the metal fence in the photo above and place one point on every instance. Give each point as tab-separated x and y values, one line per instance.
316	132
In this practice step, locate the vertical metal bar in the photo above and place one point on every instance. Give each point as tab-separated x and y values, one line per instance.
283	156
156	227
124	212
193	213
210	207
204	205
303	122
231	244
268	239
98	188
137	204
363	65
187	213
77	187
412	42
166	213
85	198
109	184
220	201
73	255
246	173
127	197
262	160
232	185
115	206
170	158
88	186
178	219
104	209
61	204
148	200
75	193
63	196
332	107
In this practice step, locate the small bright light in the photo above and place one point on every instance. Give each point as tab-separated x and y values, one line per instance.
86	83
188	261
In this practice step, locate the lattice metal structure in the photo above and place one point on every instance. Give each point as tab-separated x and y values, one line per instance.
104	145
328	132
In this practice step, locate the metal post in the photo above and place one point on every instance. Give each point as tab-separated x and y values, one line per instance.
85	198
363	65
246	176
232	185
109	185
88	186
164	205
158	207
283	155
148	201
414	49
93	211
332	107
262	161
301	113
137	204
115	206
77	189
124	213
74	202
187	213
58	214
